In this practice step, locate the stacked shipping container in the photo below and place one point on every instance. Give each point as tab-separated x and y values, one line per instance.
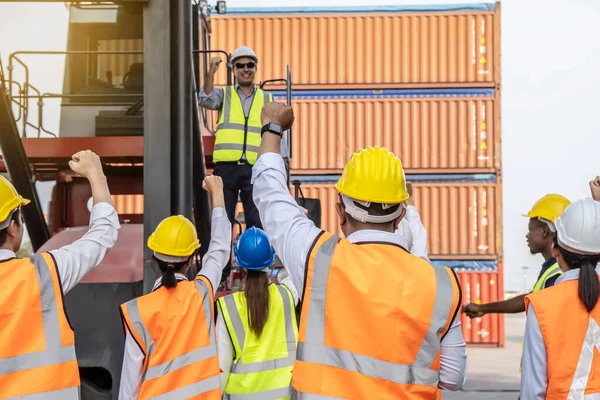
423	82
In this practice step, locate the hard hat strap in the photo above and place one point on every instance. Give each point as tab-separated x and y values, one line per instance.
4	224
548	223
363	215
170	259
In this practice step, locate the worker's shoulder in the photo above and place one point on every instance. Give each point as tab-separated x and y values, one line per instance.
266	93
555	292
230	296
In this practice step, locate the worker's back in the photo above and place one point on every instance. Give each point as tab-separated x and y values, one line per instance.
263	364
372	320
175	330
38	353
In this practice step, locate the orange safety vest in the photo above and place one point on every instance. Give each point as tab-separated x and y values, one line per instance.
175	330
37	355
572	339
372	321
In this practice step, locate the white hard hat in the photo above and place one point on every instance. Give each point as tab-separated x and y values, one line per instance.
578	228
243	51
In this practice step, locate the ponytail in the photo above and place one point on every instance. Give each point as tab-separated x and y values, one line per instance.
589	286
256	289
168	278
168	270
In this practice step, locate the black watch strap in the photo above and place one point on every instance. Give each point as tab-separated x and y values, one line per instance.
272	128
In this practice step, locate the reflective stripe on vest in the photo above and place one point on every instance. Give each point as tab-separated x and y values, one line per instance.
238	134
316	352
192	357
55	353
551	272
583	370
242	372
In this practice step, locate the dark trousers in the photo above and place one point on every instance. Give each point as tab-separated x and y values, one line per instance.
236	181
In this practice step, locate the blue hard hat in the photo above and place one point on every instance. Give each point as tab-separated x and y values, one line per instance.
253	250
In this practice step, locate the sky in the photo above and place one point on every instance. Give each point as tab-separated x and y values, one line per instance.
550	63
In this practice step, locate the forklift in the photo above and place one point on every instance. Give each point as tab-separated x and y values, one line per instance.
154	141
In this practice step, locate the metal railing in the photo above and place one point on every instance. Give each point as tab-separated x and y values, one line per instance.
205	113
288	93
22	99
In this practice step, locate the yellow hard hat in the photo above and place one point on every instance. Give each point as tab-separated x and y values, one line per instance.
549	207
10	199
175	236
376	175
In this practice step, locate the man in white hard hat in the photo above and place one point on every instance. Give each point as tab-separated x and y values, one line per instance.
238	133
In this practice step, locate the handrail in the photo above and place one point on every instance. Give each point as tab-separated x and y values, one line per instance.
288	92
227	57
24	95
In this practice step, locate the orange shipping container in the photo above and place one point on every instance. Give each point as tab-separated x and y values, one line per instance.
118	64
460	218
376	48
482	287
430	134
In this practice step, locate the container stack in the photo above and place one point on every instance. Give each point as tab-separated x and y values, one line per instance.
421	81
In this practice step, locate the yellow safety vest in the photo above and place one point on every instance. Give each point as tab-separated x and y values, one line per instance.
238	134
262	367
551	272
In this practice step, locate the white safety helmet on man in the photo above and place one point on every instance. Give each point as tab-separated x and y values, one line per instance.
243	51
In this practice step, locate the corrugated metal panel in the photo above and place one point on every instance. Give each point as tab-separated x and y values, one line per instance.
460	218
482	287
129	203
366	50
469	266
118	64
451	135
408	8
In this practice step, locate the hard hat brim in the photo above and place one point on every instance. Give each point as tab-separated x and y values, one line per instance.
372	199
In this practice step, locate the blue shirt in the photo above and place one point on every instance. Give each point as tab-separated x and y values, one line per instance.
545	267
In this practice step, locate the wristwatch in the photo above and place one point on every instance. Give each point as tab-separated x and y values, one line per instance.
273	128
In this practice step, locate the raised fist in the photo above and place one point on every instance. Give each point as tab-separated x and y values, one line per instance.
214	64
278	113
86	163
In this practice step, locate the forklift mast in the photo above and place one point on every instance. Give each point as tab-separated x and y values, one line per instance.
154	141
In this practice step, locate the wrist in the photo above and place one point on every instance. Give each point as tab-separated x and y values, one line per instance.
218	201
97	177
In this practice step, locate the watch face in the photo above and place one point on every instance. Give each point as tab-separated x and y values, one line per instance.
275	128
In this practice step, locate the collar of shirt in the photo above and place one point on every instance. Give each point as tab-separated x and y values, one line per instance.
241	92
5	254
372	235
547	264
572	274
178	276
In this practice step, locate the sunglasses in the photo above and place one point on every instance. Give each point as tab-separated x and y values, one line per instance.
250	65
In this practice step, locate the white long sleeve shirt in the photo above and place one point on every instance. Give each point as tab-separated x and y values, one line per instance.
534	379
225	346
293	234
412	230
213	263
75	260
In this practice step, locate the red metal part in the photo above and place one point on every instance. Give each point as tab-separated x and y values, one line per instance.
69	201
482	287
123	263
48	154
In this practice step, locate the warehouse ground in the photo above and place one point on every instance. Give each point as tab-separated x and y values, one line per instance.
493	373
